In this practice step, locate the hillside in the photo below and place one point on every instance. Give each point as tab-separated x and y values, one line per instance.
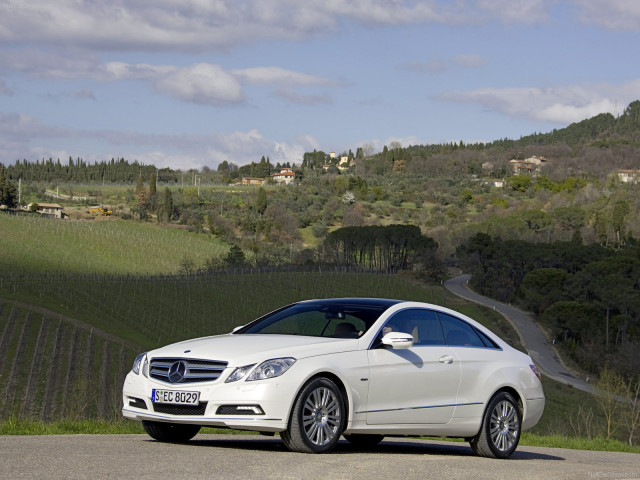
35	244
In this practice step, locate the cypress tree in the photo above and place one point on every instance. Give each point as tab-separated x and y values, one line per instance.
168	204
261	201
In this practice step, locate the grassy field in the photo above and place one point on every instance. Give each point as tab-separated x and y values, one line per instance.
35	244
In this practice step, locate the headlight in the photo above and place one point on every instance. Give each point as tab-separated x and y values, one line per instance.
239	373
137	362
271	368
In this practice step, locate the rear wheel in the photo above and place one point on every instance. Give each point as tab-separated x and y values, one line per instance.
500	431
170	432
364	440
317	418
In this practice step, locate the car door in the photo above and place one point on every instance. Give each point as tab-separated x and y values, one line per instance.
418	385
478	356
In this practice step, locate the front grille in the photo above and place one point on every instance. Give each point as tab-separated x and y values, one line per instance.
180	409
196	371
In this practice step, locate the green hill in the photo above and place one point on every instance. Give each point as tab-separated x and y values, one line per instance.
35	244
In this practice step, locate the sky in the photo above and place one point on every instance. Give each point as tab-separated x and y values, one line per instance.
191	83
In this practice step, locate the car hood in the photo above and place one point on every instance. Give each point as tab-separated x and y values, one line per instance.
241	349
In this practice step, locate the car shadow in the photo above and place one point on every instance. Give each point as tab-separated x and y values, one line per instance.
393	446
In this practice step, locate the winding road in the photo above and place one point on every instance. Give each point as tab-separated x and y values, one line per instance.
534	340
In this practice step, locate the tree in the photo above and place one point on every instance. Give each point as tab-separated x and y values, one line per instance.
261	201
632	414
141	191
153	196
168	204
8	195
235	257
609	390
543	287
519	183
620	210
569	218
536	220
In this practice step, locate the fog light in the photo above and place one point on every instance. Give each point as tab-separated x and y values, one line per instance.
239	410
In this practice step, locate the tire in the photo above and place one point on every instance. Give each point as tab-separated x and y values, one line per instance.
170	432
364	440
317	419
501	427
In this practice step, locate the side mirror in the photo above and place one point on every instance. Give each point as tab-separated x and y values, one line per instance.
398	340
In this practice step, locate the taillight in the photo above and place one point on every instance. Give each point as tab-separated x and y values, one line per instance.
534	369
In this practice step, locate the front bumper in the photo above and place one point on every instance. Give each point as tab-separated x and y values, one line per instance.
272	397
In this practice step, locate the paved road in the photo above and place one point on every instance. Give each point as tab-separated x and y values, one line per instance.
245	457
536	343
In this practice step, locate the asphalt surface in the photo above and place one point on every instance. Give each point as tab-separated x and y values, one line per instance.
244	457
534	340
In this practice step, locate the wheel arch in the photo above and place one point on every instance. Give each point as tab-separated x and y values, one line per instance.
338	383
504	389
514	393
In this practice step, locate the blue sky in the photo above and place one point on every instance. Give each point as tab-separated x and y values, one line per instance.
190	83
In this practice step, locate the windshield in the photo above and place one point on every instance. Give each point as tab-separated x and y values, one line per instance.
318	319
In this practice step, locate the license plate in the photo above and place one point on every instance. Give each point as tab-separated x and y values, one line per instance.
175	396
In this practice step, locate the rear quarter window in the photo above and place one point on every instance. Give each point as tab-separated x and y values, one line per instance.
458	333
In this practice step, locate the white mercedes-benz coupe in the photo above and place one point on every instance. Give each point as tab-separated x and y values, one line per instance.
362	368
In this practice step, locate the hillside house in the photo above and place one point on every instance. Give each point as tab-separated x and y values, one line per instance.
528	165
344	163
51	210
629	176
285	176
251	181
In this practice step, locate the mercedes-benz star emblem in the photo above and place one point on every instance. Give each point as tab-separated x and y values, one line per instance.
177	371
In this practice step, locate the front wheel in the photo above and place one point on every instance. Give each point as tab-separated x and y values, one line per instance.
500	431
170	432
317	418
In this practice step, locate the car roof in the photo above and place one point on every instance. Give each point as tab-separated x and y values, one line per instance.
356	301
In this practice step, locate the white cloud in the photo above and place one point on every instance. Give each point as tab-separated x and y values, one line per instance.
440	65
470	61
278	76
23	136
201	83
84	94
563	104
610	14
377	144
218	25
516	11
291	96
4	89
432	66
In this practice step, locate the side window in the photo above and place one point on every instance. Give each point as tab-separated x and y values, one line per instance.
459	333
486	340
424	325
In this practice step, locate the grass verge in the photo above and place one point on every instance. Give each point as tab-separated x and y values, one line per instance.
17	426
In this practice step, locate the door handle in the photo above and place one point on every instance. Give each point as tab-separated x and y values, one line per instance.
447	359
